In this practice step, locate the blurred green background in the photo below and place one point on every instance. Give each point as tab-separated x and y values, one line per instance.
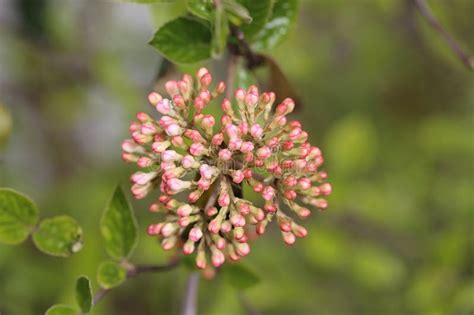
384	97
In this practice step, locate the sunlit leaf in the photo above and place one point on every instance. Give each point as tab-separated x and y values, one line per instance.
111	274
61	310
183	40
84	294
18	216
58	236
237	13
239	276
119	226
283	15
200	8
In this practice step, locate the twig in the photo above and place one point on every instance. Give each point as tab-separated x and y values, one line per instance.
135	270
243	49
190	299
426	12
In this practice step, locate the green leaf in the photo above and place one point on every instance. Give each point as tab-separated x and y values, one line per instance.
119	227
18	216
58	236
111	274
237	13
220	28
277	27
240	277
61	310
84	294
260	12
200	8
183	40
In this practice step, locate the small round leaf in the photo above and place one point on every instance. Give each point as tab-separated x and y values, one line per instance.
61	310
84	294
111	274
18	216
58	236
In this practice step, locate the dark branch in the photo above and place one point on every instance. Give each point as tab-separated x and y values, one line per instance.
242	48
426	12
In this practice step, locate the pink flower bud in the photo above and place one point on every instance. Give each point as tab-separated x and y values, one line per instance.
244	208
214	226
237	176
232	131
299	231
225	155
243	128
170	156
237	220
325	189
143	117
168	243
256	131
165	121
188	247
204	184
217	258
201	72
268	193
144	162
304	183
169	229
207	171
264	153
290	194
172	87
240	95
226	106
149	128
178	100
141	178
206	80
289	238
185	210
164	106
226	227
154	98
197	149
177	185
195	234
188	162
224	199
208	121
246	147
174	130
251	99
194	196
211	211
235	144
130	146
154	229
243	249
159	147
217	139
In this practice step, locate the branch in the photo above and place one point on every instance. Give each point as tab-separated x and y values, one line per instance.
426	12
190	299
135	270
243	49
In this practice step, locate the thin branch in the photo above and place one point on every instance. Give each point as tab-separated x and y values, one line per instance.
135	270
426	12
190	299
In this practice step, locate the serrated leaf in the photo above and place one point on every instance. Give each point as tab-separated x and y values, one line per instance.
183	40
278	25
18	216
239	276
84	294
119	226
58	236
111	274
260	12
61	310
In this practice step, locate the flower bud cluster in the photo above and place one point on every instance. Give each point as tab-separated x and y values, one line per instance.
195	159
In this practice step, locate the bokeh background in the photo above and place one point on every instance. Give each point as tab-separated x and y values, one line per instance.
384	97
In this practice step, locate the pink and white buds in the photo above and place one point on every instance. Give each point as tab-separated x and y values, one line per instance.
255	145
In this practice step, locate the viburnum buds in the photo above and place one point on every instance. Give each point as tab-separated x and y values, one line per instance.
191	161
